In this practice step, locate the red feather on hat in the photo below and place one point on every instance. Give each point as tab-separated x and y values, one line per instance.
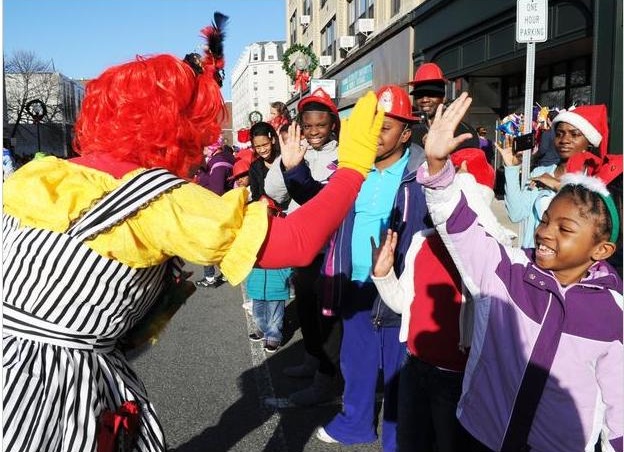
213	50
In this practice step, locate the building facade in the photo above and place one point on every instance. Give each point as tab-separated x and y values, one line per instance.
62	98
474	43
257	80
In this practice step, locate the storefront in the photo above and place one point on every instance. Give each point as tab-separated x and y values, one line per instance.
474	43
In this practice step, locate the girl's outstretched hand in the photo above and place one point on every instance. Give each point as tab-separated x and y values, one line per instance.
383	257
291	150
440	139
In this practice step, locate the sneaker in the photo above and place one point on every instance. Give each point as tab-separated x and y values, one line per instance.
321	390
206	282
271	346
222	277
307	369
322	435
256	337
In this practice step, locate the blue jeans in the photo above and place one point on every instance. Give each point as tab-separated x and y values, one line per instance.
209	271
269	317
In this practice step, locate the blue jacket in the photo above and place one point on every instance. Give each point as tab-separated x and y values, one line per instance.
408	216
268	284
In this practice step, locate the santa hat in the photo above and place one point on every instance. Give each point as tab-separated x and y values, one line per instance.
476	164
591	120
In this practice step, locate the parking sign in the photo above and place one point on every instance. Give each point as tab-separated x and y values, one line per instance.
532	21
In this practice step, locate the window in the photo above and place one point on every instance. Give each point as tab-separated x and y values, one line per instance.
293	28
361	12
323	3
255	71
328	39
271	71
307	8
396	7
556	86
351	17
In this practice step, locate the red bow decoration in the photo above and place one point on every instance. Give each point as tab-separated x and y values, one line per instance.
118	430
301	80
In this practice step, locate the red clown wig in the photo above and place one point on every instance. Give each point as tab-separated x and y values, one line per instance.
156	111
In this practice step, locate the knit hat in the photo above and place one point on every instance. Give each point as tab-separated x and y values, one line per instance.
216	145
591	120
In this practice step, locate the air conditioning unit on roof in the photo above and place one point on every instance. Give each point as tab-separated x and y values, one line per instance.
325	60
365	26
346	42
304	20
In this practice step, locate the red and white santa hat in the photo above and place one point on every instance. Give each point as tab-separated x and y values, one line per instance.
592	121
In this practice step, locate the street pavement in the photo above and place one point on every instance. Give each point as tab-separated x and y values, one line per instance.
215	390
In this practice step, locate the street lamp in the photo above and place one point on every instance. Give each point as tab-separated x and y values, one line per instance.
37	111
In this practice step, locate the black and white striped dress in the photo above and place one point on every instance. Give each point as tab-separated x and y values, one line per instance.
64	307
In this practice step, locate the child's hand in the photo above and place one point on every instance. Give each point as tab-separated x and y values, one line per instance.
545	181
509	158
383	257
291	150
440	139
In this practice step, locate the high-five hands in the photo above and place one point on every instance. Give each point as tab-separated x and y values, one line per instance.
440	139
359	134
292	152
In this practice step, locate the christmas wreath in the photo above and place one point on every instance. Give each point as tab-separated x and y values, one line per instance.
292	54
254	117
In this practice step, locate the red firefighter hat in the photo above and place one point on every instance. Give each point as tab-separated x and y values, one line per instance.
319	96
395	102
240	168
429	77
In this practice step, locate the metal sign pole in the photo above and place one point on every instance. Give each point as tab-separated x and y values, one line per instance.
531	27
528	121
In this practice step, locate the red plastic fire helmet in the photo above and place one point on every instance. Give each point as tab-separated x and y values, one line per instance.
319	96
428	73
395	102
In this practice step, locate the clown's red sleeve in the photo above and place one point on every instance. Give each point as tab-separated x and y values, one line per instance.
295	240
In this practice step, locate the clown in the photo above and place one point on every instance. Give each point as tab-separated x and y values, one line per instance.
85	252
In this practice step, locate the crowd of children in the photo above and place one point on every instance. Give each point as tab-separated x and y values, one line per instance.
401	270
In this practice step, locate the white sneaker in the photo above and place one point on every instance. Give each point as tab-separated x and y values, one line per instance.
322	435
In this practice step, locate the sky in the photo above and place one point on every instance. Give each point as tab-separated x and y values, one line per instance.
84	37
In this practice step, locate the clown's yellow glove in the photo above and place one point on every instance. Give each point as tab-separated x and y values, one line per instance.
357	146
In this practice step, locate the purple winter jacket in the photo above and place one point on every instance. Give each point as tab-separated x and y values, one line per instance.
546	366
213	174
